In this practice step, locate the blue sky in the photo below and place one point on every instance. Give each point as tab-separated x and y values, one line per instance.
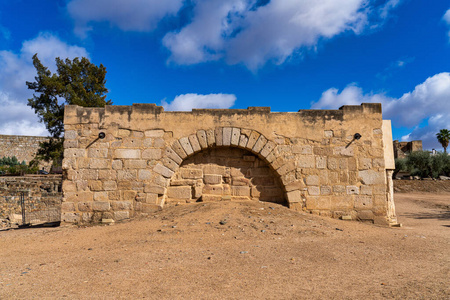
286	54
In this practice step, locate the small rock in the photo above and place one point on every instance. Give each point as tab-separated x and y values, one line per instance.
223	222
243	252
339	229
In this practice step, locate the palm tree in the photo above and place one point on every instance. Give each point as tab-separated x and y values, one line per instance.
443	137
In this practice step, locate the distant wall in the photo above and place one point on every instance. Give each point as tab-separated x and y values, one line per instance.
22	147
42	197
402	149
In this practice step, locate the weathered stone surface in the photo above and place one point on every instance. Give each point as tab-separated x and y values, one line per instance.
226	136
202	139
307	155
179	192
187	147
163	170
235	135
127	153
100	206
212	179
121	215
151	154
194	142
372	177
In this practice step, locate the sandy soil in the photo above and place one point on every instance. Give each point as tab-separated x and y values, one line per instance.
235	250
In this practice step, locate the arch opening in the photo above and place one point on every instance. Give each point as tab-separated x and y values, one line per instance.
224	173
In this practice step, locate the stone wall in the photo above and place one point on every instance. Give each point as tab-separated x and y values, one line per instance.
308	160
42	197
22	147
402	149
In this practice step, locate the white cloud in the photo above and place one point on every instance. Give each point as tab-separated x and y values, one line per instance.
137	15
187	102
446	19
16	69
428	102
242	32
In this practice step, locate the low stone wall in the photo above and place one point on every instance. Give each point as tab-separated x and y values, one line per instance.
42	198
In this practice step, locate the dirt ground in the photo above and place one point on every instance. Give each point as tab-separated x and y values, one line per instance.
234	250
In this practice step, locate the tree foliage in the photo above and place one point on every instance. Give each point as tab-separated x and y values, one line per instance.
76	82
443	137
423	164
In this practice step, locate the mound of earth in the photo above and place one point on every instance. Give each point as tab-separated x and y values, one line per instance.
232	250
422	186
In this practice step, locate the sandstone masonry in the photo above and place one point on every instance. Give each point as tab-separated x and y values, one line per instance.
310	160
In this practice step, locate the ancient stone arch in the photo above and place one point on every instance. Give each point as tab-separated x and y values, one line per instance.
243	138
119	161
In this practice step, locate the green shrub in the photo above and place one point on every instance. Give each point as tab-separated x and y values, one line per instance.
423	164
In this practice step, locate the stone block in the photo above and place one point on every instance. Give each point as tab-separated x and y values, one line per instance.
149	188
191	173
154	133
226	136
150	208
365	163
363	202
352	190
333	163
131	143
252	139
268	148
67	206
302	149
152	154
312	180
99	163
212	179
110	185
151	198
123	132
240	191
219	136
129	195
85	206
294	197
144	174
128	174
178	149
325	190
306	161
169	163
313	190
187	147
328	133
97	153
211	137
70	134
342	202
243	140
69	186
101	196
101	206
163	170
173	155
321	162
70	217
319	203
366	190
85	196
121	205
74	152
255	192
117	164
339	189
372	177
260	143
194	143
287	167
212	189
135	164
235	135
179	192
202	139
95	185
127	153
296	185
211	198
121	215
344	151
